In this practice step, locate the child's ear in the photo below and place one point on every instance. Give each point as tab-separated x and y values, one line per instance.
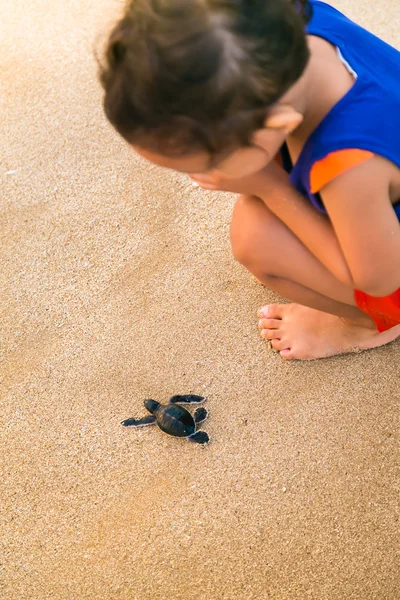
283	116
281	120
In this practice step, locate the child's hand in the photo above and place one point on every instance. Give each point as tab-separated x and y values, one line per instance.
252	185
237	174
217	181
213	181
241	170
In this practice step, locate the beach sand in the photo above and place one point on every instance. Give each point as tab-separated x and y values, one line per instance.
118	284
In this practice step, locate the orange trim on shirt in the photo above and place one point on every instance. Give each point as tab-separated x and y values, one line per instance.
334	164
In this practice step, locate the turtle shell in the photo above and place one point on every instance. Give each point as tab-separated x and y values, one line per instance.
175	420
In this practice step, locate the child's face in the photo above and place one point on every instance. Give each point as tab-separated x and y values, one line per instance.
243	162
240	163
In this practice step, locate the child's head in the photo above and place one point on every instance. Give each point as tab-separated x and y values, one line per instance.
183	77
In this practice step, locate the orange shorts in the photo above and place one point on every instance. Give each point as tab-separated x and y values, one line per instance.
385	311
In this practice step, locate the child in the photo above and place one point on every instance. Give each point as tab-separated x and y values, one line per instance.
218	89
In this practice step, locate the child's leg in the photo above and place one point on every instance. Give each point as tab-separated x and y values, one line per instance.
267	248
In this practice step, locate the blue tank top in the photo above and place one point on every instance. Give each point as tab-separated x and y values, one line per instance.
368	116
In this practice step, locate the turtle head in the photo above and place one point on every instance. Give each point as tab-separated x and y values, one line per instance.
151	405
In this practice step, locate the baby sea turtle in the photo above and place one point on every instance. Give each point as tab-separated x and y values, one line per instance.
174	419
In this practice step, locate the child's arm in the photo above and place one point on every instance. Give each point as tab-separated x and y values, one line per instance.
313	229
361	245
366	225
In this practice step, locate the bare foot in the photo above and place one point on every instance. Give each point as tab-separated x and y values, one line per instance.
303	333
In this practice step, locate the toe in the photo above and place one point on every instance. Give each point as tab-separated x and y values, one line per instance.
270	311
263	312
273	311
270	334
269	324
287	354
279	345
276	311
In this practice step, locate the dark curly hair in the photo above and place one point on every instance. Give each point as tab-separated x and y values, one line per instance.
182	76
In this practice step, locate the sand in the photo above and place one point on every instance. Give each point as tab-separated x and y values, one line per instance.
118	284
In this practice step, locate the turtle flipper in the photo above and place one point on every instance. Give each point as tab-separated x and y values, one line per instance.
200	415
200	437
186	399
150	420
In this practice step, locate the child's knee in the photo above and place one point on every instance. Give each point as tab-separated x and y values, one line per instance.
249	222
